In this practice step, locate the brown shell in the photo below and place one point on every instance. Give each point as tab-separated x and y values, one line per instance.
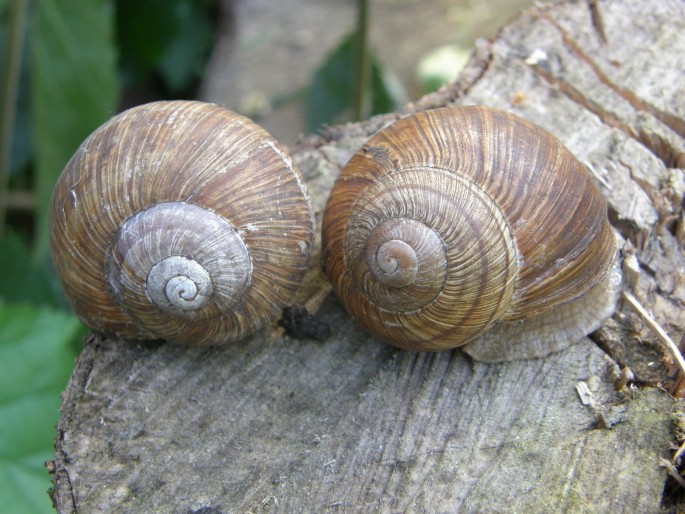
521	225
186	183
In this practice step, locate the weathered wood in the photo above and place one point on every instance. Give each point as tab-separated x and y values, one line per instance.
351	425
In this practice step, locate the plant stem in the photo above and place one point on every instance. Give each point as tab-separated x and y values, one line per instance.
362	101
10	87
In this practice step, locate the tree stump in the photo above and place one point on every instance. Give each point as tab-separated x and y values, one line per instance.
276	424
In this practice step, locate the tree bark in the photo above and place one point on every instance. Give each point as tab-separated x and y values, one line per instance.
276	424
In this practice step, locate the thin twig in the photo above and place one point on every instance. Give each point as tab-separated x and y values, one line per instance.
314	303
362	63
656	328
20	200
679	453
672	471
592	169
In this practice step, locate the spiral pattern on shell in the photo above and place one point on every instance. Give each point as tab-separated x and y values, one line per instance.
180	220
451	220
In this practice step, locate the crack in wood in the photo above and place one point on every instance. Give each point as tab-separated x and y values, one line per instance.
673	122
566	491
663	150
577	97
671	156
597	22
64	475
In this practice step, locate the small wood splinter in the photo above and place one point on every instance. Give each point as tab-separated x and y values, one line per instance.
656	328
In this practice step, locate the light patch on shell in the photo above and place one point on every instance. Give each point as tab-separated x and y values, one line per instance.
289	164
284	157
172	117
304	247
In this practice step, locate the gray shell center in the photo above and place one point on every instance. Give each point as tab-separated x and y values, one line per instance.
179	284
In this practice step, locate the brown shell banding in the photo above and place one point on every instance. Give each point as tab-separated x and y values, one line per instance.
174	153
552	330
562	239
467	260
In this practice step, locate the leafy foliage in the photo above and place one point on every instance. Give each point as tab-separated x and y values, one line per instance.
331	91
37	349
167	39
22	281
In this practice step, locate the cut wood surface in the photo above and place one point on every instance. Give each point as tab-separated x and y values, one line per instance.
276	424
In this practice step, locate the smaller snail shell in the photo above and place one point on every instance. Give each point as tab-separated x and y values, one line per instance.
455	221
180	220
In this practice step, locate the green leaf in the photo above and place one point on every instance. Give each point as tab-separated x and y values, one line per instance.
144	29
331	92
172	38
387	93
37	352
21	280
185	58
20	152
73	88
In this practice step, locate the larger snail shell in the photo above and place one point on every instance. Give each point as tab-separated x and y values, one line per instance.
180	220
451	221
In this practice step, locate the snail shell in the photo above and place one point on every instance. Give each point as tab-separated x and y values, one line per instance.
453	221
180	220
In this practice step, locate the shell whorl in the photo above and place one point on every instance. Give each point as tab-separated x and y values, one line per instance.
178	285
180	220
178	261
504	224
403	214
